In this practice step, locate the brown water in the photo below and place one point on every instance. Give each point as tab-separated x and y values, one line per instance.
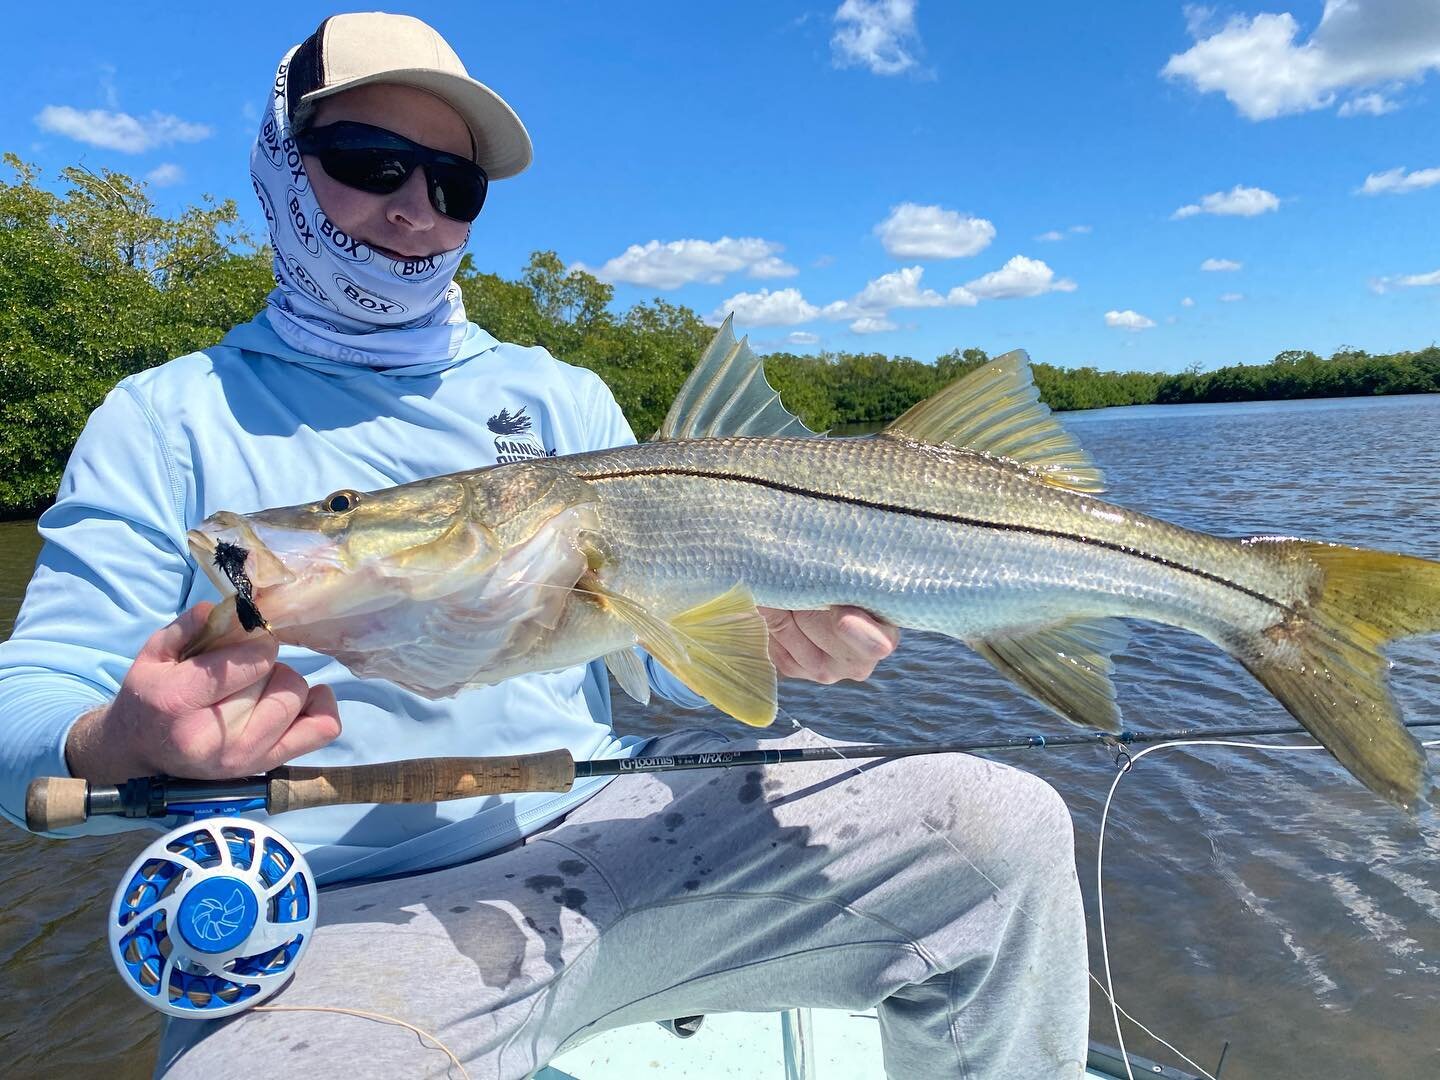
1260	898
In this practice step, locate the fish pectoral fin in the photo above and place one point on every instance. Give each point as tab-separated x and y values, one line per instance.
997	409
629	672
1065	667
728	394
720	649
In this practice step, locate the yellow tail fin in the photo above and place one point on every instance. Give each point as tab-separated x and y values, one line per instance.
1325	664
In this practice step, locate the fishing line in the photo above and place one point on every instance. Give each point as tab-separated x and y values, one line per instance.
1130	763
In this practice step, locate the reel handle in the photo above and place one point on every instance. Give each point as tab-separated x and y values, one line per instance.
56	802
420	780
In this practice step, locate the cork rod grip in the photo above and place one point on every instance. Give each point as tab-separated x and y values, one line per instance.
55	802
297	787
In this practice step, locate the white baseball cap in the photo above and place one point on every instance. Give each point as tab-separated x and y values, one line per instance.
374	47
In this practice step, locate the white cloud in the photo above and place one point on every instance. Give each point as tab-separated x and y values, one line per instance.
1186	301
165	175
1260	66
932	232
118	130
783	307
876	34
1055	234
1231	297
899	288
1128	320
1399	182
1218	265
1405	281
802	337
871	324
679	262
1367	105
1239	201
1018	277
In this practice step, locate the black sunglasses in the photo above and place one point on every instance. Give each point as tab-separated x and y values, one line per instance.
379	161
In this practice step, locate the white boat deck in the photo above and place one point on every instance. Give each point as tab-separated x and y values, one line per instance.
842	1046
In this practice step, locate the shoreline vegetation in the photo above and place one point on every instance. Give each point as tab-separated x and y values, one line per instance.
96	284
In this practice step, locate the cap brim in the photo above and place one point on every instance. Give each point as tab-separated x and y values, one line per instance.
502	145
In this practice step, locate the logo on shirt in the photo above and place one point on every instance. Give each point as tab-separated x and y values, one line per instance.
514	439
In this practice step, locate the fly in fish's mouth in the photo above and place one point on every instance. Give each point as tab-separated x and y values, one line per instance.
230	560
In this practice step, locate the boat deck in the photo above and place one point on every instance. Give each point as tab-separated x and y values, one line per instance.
841	1046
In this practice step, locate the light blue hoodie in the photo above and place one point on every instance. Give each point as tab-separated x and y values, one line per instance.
252	423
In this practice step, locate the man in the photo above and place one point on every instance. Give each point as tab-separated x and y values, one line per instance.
944	889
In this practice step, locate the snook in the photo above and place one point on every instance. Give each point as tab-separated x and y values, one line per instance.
973	515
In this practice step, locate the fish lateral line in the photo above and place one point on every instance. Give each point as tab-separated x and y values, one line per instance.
940	515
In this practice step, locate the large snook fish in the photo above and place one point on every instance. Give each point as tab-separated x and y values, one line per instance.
973	515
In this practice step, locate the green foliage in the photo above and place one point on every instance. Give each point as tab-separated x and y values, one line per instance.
95	285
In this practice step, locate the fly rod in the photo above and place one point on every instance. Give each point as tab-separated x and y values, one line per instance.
54	802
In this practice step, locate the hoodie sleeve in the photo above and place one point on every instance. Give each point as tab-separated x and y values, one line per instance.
605	426
112	570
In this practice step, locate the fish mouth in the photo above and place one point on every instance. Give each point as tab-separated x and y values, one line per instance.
230	551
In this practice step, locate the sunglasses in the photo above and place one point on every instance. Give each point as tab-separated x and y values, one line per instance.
373	159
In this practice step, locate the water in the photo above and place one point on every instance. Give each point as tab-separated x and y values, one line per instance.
1257	897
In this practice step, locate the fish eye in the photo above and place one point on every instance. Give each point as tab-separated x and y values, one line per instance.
342	501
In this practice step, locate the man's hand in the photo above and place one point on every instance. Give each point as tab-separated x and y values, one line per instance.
230	712
828	645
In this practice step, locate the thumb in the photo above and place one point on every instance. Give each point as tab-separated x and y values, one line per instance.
170	640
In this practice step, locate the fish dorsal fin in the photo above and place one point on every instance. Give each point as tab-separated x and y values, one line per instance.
1066	667
728	394
629	672
997	409
720	649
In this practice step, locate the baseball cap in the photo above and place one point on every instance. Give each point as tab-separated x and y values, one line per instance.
370	47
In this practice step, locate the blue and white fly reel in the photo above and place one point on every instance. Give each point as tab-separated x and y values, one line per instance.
212	918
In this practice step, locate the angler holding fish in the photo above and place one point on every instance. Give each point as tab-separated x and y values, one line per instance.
509	925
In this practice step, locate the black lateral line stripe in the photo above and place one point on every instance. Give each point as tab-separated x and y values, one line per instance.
935	515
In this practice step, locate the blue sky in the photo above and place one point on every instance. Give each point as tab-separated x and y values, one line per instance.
907	177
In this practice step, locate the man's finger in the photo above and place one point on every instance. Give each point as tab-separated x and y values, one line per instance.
850	649
875	637
167	642
317	725
273	712
214	676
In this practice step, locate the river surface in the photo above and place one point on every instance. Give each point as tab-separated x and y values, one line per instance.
1256	897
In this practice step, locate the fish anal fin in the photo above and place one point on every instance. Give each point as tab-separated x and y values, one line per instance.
629	672
720	649
997	410
727	394
1066	668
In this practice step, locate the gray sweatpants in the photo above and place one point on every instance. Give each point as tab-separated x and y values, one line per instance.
940	889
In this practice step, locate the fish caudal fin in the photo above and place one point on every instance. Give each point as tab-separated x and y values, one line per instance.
1324	662
720	649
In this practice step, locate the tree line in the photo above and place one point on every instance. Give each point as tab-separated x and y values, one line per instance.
96	284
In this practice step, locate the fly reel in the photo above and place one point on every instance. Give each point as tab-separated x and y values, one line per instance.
212	918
